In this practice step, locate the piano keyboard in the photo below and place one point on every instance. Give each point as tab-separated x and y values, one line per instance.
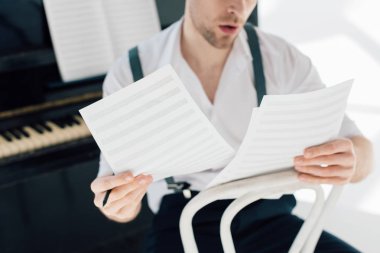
41	135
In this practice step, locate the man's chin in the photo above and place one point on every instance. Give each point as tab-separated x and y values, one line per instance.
219	41
224	43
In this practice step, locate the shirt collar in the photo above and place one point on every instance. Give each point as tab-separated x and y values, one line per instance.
240	54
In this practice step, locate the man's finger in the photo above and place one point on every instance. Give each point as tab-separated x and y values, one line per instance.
329	148
141	195
102	184
330	171
345	159
98	199
139	182
120	191
127	203
127	200
322	180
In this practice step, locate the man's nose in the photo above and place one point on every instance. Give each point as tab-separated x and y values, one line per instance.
236	7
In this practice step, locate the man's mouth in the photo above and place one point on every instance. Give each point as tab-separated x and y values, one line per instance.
228	29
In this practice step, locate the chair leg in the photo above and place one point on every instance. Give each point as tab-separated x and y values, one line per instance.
330	202
248	198
186	226
311	222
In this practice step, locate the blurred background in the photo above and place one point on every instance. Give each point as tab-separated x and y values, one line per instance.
343	40
48	158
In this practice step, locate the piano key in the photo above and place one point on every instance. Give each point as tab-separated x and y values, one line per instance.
4	151
71	129
37	128
7	136
80	125
23	140
42	134
68	121
78	129
11	145
6	145
25	134
43	127
75	120
24	144
21	146
43	124
59	123
38	140
15	133
59	133
83	127
48	134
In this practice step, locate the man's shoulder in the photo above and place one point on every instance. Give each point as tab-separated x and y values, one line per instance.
277	51
151	51
157	43
290	70
274	44
153	44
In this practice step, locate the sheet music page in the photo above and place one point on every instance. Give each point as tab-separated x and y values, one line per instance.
130	22
153	126
81	40
282	127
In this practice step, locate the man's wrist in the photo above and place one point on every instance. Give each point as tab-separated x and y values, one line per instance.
364	158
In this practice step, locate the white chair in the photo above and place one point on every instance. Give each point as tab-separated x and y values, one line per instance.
248	190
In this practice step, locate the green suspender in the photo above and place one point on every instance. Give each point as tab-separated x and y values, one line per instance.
253	42
258	69
134	61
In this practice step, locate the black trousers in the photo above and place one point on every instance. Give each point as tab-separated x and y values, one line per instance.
263	226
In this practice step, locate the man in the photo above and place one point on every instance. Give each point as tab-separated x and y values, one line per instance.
209	50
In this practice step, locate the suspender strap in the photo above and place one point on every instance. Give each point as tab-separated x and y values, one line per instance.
134	61
258	69
178	186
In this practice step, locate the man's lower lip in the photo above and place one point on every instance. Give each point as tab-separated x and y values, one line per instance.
228	29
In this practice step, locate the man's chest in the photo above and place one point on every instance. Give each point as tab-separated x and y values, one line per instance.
233	97
210	83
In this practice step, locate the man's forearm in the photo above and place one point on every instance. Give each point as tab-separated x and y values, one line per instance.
364	158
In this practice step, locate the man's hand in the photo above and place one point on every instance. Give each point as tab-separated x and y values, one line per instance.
333	162
124	202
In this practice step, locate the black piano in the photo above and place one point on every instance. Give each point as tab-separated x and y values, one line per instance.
47	155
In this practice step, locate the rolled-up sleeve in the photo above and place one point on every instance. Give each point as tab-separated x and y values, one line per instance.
300	75
349	128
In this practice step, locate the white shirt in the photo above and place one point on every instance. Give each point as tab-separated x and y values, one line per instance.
286	71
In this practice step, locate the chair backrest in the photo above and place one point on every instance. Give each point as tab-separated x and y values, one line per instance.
246	191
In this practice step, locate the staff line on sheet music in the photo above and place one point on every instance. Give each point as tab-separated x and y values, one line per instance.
183	145
158	143
151	131
138	110
131	98
146	121
150	138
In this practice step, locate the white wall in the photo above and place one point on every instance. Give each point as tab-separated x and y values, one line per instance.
342	37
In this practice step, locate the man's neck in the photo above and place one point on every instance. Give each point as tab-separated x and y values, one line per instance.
198	52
